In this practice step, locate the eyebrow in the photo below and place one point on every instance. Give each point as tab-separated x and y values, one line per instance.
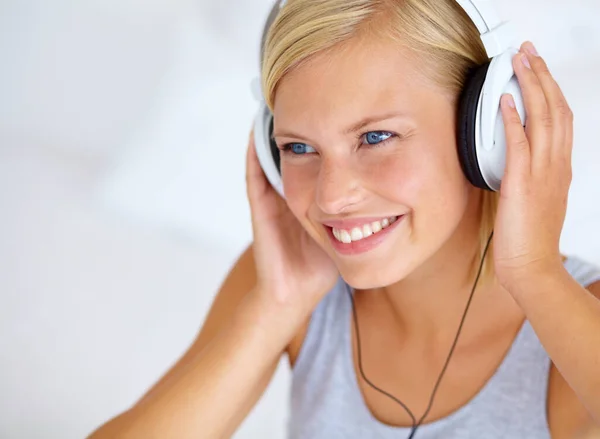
357	126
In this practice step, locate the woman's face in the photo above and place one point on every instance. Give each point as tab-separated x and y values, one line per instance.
368	138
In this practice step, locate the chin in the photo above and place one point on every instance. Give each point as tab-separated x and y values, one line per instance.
366	280
365	277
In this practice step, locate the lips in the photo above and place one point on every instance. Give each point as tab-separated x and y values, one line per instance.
365	244
362	232
349	224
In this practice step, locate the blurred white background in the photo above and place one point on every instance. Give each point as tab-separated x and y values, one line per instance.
123	129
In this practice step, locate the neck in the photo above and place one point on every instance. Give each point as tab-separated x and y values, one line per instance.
430	302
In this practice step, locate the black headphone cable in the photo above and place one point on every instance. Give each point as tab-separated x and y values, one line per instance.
415	424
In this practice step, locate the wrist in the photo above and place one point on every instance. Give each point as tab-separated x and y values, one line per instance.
522	278
274	320
536	282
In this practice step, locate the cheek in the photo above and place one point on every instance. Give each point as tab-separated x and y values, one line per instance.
298	188
406	178
398	174
444	192
428	181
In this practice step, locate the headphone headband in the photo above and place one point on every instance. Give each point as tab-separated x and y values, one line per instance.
482	13
497	36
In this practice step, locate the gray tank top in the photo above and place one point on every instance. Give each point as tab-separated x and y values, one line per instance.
326	402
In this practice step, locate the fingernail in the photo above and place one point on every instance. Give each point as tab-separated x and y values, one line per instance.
525	61
510	100
531	49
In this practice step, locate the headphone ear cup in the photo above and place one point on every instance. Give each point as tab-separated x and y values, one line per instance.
266	148
274	149
466	130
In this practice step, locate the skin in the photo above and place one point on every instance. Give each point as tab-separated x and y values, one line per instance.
411	291
409	301
418	175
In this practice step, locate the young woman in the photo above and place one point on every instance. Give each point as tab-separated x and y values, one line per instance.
363	276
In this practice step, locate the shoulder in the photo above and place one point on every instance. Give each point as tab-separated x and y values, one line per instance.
595	289
293	349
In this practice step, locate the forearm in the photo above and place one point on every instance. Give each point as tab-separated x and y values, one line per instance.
213	394
566	318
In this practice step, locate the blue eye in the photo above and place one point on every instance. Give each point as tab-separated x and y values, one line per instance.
376	137
371	138
297	148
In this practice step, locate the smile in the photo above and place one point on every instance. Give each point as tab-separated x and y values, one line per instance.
362	232
362	237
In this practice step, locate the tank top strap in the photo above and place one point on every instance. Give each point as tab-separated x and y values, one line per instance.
325	332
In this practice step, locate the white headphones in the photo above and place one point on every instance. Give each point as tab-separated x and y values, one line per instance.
480	133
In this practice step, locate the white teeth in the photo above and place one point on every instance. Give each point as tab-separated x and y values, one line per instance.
345	237
358	233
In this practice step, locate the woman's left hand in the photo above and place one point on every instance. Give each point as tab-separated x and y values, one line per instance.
535	186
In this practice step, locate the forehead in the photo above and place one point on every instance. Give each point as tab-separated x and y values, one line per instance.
369	73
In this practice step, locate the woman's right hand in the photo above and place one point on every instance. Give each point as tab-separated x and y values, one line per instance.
291	268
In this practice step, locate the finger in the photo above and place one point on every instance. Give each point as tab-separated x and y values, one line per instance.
539	119
518	151
561	113
568	148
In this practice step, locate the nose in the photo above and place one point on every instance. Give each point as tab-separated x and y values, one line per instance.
338	187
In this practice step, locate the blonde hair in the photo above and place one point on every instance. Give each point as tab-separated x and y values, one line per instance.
439	32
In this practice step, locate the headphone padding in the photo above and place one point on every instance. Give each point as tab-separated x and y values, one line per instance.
467	119
273	145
